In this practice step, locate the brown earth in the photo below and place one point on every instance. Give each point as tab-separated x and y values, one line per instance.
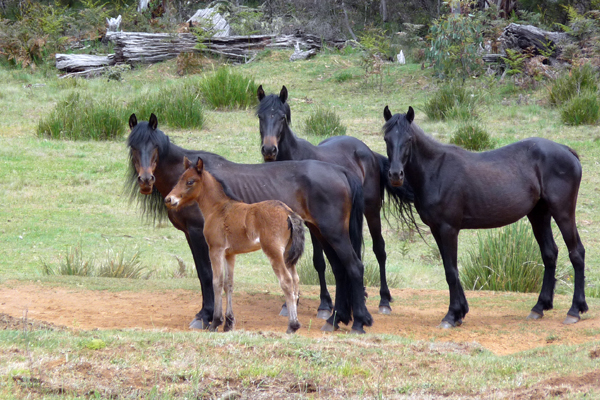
496	321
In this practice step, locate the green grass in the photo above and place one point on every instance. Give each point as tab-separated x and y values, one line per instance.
581	109
451	101
573	83
472	136
324	122
228	89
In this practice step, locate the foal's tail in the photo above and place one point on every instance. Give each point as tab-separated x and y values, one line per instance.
296	242
356	214
400	198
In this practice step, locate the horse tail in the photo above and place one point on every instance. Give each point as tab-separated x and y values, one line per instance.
356	213
295	246
400	198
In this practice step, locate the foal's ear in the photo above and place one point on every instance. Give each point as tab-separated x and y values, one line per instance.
132	121
387	114
410	115
153	122
186	162
199	165
283	94
261	93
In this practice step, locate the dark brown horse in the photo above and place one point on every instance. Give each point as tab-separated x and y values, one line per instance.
279	143
232	227
456	189
327	198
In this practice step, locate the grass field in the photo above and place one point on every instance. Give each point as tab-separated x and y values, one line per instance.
57	195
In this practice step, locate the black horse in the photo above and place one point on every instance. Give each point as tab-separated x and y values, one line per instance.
279	143
456	189
328	199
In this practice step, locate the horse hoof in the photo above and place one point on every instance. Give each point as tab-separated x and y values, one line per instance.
328	327
571	320
198	324
356	331
283	312
386	310
459	322
534	315
446	325
323	314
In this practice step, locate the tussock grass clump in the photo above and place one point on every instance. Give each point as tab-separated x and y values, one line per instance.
177	106
506	259
472	137
323	121
574	83
451	102
582	109
228	89
308	275
114	265
80	117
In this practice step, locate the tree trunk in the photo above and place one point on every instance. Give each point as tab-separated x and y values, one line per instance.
348	22
383	10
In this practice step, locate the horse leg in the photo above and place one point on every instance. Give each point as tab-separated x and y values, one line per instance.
568	228
446	238
349	289
199	248
326	306
374	224
217	261
229	318
539	218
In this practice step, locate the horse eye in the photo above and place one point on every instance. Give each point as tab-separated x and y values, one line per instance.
190	182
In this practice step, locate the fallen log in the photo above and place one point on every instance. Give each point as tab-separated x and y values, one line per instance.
82	62
522	37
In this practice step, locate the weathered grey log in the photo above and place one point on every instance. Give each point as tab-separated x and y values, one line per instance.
521	37
301	55
81	62
153	47
492	58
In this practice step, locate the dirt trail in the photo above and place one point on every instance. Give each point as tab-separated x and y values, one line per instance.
496	320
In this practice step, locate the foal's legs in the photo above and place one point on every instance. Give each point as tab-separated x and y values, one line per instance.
446	238
217	260
286	281
540	222
229	319
373	217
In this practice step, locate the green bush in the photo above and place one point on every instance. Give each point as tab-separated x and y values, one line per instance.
451	101
506	259
582	109
323	121
570	84
177	106
228	89
473	137
79	117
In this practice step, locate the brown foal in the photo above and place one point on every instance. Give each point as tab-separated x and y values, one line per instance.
232	227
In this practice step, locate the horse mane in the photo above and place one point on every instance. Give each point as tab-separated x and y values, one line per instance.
272	102
153	205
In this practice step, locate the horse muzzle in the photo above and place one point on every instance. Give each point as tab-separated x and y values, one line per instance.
146	184
269	153
171	202
396	178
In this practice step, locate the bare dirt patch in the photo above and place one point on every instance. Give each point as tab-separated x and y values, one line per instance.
496	321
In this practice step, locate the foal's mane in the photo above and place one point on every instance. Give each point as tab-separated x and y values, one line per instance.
153	205
272	102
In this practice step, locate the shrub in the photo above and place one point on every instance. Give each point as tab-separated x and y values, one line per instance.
506	259
568	85
472	137
79	117
324	121
228	89
343	76
72	263
451	101
582	109
177	106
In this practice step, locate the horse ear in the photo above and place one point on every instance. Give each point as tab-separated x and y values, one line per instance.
410	115
199	165
283	94
261	93
186	162
153	121
387	114
132	121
